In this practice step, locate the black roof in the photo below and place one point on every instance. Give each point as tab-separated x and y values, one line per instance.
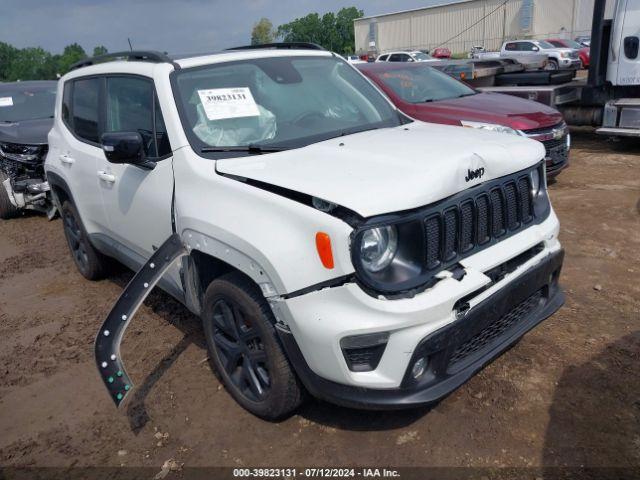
160	57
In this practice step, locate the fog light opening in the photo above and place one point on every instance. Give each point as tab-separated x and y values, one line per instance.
419	367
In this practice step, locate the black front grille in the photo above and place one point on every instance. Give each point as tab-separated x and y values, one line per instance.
477	220
496	329
551	144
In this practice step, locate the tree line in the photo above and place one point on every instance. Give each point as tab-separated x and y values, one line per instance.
333	31
35	63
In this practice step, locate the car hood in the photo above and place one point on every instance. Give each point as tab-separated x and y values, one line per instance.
508	110
26	131
391	169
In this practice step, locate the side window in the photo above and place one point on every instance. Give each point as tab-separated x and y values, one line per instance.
383	58
395	58
631	46
85	108
511	46
131	106
405	58
526	46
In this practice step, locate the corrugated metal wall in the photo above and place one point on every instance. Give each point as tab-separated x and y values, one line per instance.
475	22
568	18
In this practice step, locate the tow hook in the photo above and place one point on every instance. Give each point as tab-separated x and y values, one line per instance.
107	345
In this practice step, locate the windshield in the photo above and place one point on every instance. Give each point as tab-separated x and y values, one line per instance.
24	103
422	56
420	83
283	102
545	45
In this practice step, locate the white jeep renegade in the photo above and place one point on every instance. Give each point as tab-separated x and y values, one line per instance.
327	241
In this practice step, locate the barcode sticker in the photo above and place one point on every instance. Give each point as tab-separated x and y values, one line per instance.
222	103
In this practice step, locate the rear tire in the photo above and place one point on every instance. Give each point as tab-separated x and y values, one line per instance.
7	210
90	263
245	350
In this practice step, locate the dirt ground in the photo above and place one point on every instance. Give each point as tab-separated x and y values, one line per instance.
567	394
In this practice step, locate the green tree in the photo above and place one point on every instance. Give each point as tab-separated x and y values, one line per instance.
31	64
99	50
7	54
262	32
333	31
71	54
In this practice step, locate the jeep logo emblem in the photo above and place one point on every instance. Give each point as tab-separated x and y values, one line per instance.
471	174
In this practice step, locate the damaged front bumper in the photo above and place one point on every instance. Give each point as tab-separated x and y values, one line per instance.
452	354
25	186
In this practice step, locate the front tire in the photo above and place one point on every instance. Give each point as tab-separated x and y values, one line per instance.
7	210
90	263
245	350
553	65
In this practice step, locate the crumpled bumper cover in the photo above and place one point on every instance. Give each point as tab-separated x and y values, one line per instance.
447	369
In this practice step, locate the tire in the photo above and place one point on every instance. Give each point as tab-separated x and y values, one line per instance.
245	350
90	263
552	65
7	210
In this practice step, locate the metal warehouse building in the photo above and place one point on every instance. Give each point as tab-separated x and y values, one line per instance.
463	24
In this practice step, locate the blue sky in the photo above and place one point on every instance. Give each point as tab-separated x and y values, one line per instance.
175	26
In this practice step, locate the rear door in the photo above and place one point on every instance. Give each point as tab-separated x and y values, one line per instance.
77	151
137	200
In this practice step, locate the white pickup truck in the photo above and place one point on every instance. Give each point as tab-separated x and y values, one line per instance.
534	51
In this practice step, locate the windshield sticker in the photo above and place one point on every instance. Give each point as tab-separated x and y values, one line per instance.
222	103
6	101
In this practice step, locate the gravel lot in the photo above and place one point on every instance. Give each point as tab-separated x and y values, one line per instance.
567	394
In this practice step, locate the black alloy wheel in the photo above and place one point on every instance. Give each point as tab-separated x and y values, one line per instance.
241	350
75	240
245	349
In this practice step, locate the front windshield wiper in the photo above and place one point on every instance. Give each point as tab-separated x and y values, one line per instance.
257	149
428	100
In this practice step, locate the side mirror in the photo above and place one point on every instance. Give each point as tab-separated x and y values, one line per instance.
125	147
536	49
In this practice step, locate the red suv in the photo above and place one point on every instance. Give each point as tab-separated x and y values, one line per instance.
583	51
427	94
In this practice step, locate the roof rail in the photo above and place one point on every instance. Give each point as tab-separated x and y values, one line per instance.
282	46
135	56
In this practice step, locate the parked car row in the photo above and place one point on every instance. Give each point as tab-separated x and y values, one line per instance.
328	240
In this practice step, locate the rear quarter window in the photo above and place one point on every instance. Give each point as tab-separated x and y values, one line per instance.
85	109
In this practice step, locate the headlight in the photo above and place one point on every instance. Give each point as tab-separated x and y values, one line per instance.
539	190
378	247
535	183
390	258
490	126
20	153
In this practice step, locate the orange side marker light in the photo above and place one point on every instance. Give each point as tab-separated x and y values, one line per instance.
323	245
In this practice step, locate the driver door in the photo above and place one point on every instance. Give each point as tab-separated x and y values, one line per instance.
137	200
